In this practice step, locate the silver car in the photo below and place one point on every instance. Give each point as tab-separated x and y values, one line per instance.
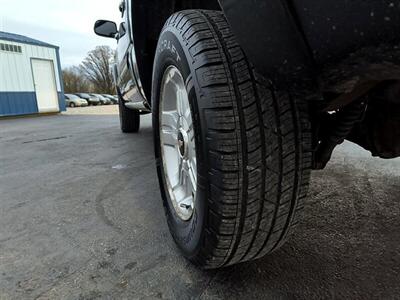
90	99
103	100
75	101
113	99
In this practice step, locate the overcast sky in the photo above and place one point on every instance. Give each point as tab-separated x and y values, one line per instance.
65	23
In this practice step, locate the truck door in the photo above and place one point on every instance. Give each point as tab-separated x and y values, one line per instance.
124	42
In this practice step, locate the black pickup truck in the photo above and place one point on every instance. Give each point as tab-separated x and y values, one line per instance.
247	97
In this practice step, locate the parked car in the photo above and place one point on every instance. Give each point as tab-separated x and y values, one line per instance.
90	99
113	99
103	100
247	97
75	101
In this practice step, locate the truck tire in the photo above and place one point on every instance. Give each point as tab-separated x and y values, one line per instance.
250	165
129	119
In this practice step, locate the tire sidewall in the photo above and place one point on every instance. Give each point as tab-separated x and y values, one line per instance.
170	52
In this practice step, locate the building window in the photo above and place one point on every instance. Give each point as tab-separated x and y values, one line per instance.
10	48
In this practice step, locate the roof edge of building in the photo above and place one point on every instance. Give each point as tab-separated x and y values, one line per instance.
17	38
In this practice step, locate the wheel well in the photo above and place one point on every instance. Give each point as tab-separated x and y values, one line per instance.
148	19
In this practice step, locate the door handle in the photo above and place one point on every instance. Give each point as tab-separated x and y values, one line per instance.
122	6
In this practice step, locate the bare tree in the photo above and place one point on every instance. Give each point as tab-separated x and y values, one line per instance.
75	81
97	69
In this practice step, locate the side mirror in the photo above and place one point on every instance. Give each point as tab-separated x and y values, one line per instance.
106	29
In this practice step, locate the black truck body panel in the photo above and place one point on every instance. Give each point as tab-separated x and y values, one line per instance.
269	35
287	40
334	28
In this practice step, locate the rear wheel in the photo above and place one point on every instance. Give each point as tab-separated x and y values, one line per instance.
72	105
233	154
129	119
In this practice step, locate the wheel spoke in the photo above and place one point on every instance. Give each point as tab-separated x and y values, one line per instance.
190	130
184	108
182	175
169	138
179	104
170	119
176	183
192	178
186	113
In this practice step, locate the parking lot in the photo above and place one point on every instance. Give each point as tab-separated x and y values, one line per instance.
93	110
81	218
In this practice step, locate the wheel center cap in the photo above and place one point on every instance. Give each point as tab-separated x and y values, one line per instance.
182	142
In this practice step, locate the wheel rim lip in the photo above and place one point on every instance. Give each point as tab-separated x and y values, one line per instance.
180	169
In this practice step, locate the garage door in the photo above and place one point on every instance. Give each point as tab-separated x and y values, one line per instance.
45	85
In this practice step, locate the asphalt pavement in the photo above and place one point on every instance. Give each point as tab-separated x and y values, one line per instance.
81	218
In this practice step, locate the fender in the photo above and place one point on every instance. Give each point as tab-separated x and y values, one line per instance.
270	36
289	39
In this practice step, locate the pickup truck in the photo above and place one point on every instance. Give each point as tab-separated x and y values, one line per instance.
247	97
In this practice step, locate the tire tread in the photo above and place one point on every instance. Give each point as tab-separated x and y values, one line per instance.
258	146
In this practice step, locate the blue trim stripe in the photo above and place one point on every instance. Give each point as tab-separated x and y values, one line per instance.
18	103
61	97
61	101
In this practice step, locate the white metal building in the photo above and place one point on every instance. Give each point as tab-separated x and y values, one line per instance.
30	76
